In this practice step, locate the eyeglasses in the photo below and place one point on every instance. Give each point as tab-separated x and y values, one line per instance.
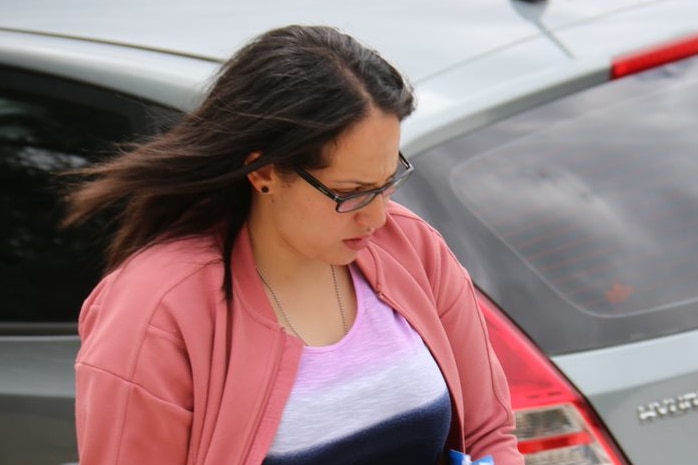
352	202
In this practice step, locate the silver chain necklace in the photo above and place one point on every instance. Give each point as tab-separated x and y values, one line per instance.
340	302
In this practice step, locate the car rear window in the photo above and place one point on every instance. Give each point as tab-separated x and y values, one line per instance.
580	217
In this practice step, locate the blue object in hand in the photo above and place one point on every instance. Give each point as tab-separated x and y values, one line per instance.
459	458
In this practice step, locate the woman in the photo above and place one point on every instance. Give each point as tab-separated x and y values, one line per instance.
266	301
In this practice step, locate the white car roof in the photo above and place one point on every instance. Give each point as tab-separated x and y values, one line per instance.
472	61
421	37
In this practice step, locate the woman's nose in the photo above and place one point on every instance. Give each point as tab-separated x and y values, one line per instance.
373	215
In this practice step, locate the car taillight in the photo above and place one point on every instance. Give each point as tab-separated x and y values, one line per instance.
554	424
655	56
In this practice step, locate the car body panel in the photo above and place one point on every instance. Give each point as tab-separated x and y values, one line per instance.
647	25
37	397
620	380
212	28
444	115
499	84
173	80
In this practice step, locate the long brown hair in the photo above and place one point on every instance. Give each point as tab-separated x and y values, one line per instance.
286	94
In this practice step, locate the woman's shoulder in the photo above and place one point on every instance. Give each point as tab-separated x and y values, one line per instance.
162	269
408	241
169	261
404	227
402	213
144	309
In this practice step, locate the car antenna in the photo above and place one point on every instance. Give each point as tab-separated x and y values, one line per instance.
532	10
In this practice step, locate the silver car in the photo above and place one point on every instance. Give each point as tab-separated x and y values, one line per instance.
556	149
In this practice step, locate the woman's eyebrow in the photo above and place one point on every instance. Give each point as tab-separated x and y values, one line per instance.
363	183
354	182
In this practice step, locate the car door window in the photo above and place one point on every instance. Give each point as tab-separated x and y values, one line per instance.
48	125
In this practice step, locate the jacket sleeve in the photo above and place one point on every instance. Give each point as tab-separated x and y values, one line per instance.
120	422
133	385
488	421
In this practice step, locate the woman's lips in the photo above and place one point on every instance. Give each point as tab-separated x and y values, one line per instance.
357	243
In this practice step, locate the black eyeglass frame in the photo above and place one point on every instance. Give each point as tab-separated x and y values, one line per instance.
370	194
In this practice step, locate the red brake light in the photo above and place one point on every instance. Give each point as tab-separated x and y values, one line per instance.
554	424
655	56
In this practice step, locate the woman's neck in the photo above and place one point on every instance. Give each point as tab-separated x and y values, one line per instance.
277	259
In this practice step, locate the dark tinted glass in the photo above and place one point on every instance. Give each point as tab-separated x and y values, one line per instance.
46	126
579	218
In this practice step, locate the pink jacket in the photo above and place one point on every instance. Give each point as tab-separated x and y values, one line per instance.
168	374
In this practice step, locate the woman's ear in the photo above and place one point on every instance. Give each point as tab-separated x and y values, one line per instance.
261	178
